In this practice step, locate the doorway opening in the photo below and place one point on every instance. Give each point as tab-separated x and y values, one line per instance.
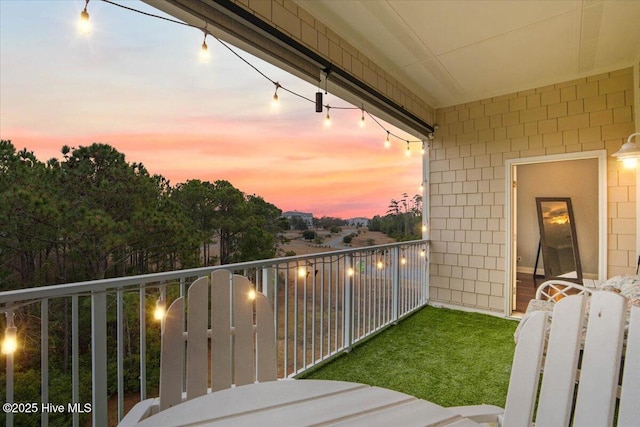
578	176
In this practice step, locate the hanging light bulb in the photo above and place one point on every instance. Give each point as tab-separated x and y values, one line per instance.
10	342
408	150
422	147
379	265
160	310
327	119
84	25
252	294
362	119
302	271
421	188
423	253
350	271
274	102
204	49
387	143
403	260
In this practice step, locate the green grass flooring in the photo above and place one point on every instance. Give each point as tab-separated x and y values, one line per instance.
445	356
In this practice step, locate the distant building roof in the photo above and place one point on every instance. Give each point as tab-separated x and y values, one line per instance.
296	213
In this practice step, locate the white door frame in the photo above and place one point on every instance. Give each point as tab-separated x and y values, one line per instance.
510	199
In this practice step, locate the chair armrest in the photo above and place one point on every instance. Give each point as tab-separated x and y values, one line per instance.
139	412
479	413
553	290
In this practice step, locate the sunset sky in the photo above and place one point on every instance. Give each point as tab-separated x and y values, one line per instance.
136	83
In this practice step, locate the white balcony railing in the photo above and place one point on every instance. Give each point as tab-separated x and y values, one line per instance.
324	303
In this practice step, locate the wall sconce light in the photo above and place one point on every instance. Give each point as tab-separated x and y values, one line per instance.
629	153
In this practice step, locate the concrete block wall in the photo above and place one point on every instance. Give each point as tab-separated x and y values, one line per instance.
467	177
295	22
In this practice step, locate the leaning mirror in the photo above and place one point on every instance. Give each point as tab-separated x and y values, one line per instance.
558	239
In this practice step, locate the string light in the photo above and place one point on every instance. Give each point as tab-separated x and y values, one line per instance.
379	265
274	102
84	25
204	57
252	294
10	342
422	147
403	260
161	308
204	49
423	253
302	272
351	272
327	120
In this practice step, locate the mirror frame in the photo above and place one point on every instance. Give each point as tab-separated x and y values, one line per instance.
574	239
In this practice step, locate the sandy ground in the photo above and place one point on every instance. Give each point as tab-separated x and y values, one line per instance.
303	247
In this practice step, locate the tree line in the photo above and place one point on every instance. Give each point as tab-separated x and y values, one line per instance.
403	220
93	215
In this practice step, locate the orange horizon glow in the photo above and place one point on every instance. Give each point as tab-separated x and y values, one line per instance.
135	84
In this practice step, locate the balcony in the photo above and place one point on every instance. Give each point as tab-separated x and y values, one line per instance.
98	340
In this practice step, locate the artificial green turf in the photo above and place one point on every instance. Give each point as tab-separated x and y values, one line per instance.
445	356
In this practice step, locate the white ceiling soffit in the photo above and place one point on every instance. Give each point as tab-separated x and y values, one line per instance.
452	52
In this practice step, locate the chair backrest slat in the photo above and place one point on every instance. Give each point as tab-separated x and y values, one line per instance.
265	341
243	339
561	362
220	330
629	414
525	372
172	356
600	369
197	341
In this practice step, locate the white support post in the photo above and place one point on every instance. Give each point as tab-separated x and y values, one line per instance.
636	100
347	333
426	219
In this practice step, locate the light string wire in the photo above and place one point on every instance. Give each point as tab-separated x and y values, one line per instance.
275	83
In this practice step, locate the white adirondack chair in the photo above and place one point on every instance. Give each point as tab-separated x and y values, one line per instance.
602	355
238	348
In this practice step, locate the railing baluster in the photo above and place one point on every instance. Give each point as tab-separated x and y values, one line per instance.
313	316
348	306
9	391
322	308
143	344
304	317
99	357
44	358
120	351
285	326
395	304
75	359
